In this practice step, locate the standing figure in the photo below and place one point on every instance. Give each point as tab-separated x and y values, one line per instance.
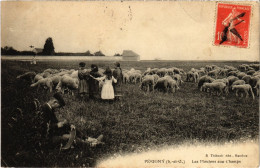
94	84
107	92
33	59
118	75
83	84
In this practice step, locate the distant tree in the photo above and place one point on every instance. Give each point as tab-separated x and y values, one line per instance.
117	54
9	51
88	53
99	53
48	48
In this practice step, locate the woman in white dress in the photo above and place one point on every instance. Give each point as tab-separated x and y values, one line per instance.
107	92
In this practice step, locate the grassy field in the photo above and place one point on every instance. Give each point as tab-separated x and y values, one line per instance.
139	121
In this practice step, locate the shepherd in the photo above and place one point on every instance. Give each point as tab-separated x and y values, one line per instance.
93	84
118	75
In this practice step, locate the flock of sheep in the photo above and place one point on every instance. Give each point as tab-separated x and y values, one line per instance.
162	79
244	79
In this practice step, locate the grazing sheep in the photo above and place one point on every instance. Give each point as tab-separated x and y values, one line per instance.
247	79
172	85
254	66
161	84
223	72
63	73
46	83
251	72
230	68
193	70
51	71
169	71
46	74
74	74
161	72
166	84
243	67
176	70
28	76
257	73
213	73
254	80
246	88
224	80
55	79
232	79
156	77
232	73
208	68
37	77
195	77
147	72
201	72
192	76
204	79
219	87
154	70
182	72
257	87
135	77
177	77
148	82
240	75
189	76
238	82
67	82
126	77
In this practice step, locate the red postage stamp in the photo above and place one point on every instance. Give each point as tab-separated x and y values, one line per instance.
232	25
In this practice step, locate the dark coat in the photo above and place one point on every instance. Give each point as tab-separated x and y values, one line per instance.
83	84
93	84
50	121
118	75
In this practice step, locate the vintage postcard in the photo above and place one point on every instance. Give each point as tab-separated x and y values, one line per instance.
130	84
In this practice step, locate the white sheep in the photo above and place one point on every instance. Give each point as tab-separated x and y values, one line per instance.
219	87
246	88
238	82
67	82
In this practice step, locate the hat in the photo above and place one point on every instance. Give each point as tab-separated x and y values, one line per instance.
60	99
82	64
117	64
108	71
94	67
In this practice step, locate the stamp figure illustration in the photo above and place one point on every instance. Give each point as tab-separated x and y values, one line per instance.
232	25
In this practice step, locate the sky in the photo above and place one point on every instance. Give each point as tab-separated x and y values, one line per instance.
169	30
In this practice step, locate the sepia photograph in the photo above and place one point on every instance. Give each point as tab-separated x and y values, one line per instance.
130	84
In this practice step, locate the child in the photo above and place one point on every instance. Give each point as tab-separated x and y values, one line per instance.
83	85
117	73
107	92
93	84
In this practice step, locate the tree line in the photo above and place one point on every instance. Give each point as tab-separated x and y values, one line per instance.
49	50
